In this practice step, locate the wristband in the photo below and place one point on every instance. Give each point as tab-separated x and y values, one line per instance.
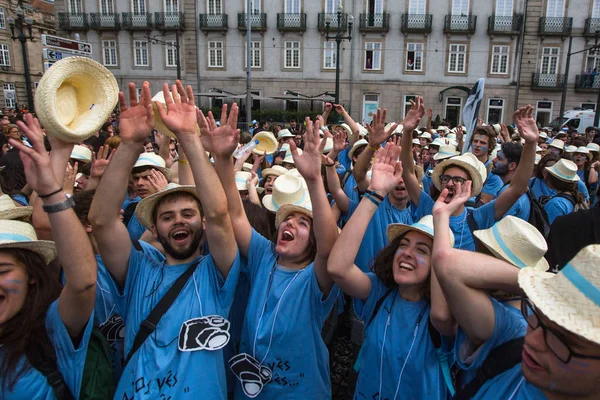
45	196
183	161
372	200
57	207
373	148
375	194
329	165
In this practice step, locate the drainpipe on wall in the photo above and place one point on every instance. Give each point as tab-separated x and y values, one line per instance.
197	21
352	62
520	62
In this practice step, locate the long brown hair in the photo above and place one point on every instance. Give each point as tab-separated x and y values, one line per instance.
25	334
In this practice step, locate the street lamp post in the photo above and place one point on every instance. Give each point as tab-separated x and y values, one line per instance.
169	44
20	23
338	40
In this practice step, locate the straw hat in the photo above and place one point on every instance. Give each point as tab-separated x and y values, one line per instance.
75	97
425	135
288	209
356	145
424	226
276	170
593	147
445	151
419	172
468	162
437	142
538	157
9	210
328	145
497	128
284	133
398	129
559	144
515	241
569	298
543	135
266	143
241	179
416	141
443	129
564	170
570	149
146	206
538	149
297	174
346	127
155	161
287	189
247	167
21	235
81	153
289	158
584	150
362	131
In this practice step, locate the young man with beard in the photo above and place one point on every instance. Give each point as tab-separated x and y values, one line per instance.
454	173
176	360
505	166
482	145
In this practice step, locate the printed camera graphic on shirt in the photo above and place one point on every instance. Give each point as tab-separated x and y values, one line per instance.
113	329
251	373
206	333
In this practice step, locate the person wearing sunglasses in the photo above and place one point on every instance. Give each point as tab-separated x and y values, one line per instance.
560	321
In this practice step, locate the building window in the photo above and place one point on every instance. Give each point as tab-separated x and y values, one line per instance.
2	19
499	60
329	55
109	53
453	110
216	103
10	95
407	105
140	53
373	56
255	100
75	6
414	57
550	60
4	55
417	7
370	105
495	112
543	112
171	54
255	55
460	7
106	7
588	106
215	54
292	54
592	61
457	58
290	105
214	7
137	6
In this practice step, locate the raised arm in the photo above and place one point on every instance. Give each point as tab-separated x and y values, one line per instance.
325	115
333	183
99	164
417	110
114	243
76	301
163	148
387	172
518	184
180	117
350	122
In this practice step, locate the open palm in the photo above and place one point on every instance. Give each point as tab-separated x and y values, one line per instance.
309	162
222	140
527	126
136	121
416	112
180	115
387	170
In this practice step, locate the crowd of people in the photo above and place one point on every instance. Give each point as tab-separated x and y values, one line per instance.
205	262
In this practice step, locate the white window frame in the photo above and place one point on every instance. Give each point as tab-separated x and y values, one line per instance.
546	110
171	54
171	6
214	7
550	53
596	9
139	48
504	8
255	7
106	7
292	6
555	8
75	6
255	54
457	53
138	7
412	47
329	55
2	18
215	50
331	6
594	60
377	9
460	107
10	88
494	107
460	7
4	55
417	7
292	54
376	49
500	57
110	55
369	104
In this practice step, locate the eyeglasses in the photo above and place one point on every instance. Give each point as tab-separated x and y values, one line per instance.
556	345
458	180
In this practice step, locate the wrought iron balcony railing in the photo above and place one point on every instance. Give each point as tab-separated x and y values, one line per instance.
374	22
465	24
169	21
555	26
258	22
334	26
498	25
213	22
291	22
547	81
587	82
136	21
416	23
73	22
105	21
592	25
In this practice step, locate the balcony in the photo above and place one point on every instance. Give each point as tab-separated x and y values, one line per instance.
587	83
104	22
288	22
258	22
510	26
461	24
137	21
416	23
374	23
73	22
549	82
213	23
592	25
333	20
171	21
555	26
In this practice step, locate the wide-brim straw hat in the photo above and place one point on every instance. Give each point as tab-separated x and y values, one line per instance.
21	235
284	133
417	142
443	128
356	146
75	97
241	180
419	172
424	226
570	149
289	157
158	123
154	161
593	147
564	170
266	143
543	135
247	167
584	150
437	142
328	145
276	170
287	209
146	206
538	157
362	131
517	242
570	298
81	153
445	151
469	163
559	144
287	189
425	135
9	210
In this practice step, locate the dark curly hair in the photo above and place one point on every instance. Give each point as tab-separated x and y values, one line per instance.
488	131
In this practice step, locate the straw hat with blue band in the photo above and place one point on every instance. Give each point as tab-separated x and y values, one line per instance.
146	206
154	161
266	143
81	153
289	195
21	235
515	241
424	226
475	169
445	151
570	298
564	170
8	209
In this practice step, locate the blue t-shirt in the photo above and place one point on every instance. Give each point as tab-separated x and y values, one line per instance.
492	186
375	238
344	158
543	192
558	206
422	377
427	183
521	209
70	361
288	338
507	325
159	369
135	228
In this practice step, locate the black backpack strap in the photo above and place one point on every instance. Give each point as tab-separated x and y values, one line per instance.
129	212
378	306
137	245
472	224
345	177
569	197
56	380
501	359
149	324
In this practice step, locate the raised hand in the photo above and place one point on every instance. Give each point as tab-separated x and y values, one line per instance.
504	136
309	162
100	162
340	141
70	177
339	109
416	112
377	133
387	170
459	133
461	195
526	123
157	180
36	160
136	121
180	115
429	113
328	107
222	140
253	179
